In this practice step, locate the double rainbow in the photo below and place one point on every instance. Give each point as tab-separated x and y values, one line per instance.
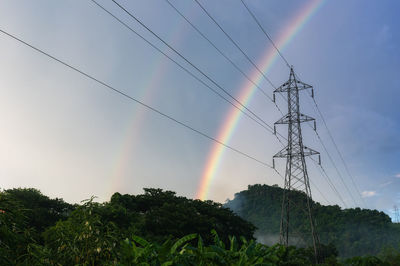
246	93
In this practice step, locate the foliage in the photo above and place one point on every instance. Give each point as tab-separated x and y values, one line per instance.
41	211
355	232
15	235
241	252
158	215
93	233
82	238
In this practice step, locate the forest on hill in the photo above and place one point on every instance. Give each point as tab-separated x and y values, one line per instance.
154	228
355	232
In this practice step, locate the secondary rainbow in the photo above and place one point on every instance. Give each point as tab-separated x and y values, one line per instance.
246	93
147	93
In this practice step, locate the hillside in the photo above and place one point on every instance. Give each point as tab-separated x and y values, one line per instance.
159	228
354	232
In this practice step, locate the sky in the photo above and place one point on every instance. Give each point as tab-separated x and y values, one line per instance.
72	138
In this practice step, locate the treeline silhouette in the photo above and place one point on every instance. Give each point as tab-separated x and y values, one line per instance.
355	232
154	228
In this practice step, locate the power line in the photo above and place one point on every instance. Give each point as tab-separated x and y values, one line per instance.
327	176
283	178
296	175
330	183
238	47
323	120
113	89
334	165
288	65
329	155
323	196
234	43
241	50
323	144
143	104
190	63
265	33
184	58
127	26
324	174
338	151
222	53
264	124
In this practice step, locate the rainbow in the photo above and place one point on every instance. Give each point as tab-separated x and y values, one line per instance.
119	170
246	93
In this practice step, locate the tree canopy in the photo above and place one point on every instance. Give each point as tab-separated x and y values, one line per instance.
154	228
355	232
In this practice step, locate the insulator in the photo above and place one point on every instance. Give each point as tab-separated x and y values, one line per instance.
273	97
312	93
315	125
274	129
319	159
273	163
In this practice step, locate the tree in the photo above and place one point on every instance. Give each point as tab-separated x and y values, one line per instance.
355	232
15	232
40	210
159	215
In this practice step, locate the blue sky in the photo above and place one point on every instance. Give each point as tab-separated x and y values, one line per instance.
72	138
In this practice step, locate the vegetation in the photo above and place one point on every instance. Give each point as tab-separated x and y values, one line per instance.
355	232
158	215
155	228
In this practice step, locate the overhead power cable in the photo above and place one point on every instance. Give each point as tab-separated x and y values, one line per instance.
236	45
319	191
262	124
191	64
115	90
322	195
329	181
338	151
184	58
223	54
336	168
152	45
324	122
325	175
265	33
330	157
315	105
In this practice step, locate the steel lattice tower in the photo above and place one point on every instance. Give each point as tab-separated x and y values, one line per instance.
296	177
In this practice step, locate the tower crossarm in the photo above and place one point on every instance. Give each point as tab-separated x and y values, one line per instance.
308	151
303	86
288	84
288	119
284	153
291	84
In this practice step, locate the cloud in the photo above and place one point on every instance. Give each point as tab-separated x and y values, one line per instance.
367	194
385	184
397	175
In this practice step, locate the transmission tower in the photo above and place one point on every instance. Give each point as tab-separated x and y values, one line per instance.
296	177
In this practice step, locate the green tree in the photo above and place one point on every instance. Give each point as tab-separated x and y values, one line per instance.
81	239
355	232
41	211
15	232
159	215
